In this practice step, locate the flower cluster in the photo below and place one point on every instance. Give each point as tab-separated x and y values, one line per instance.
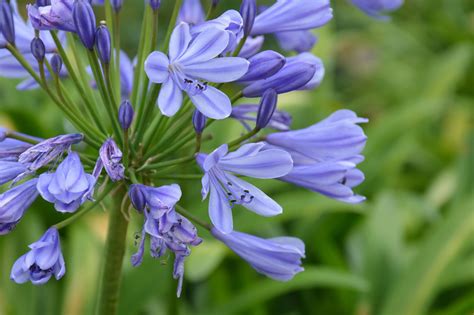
144	118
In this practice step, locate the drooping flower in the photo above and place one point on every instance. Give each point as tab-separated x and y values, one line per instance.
46	151
277	258
378	8
68	187
10	149
292	15
14	203
166	229
325	155
227	190
191	60
110	158
43	261
56	16
9	170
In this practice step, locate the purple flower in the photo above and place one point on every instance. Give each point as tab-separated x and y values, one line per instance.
57	16
166	228
299	41
377	8
69	186
13	204
227	190
103	43
126	75
280	120
252	46
292	15
263	65
9	170
7	25
46	151
84	21
314	61
191	60
325	155
10	149
191	12
43	261
126	114
110	157
277	258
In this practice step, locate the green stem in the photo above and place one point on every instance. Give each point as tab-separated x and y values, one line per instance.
194	218
246	136
114	254
180	176
86	210
166	163
155	91
22	137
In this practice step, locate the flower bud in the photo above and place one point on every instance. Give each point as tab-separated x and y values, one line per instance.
38	50
267	107
199	121
56	63
154	4
43	3
137	197
126	115
116	5
7	26
84	21
263	65
103	43
248	10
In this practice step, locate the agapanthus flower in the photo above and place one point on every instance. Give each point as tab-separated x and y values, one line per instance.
325	155
252	46
14	202
292	15
227	190
277	258
9	170
192	12
299	41
110	158
43	261
68	186
48	150
190	61
263	65
378	8
245	113
166	229
10	149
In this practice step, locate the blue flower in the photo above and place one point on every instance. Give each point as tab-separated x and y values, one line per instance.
191	60
227	190
325	155
158	200
14	203
299	41
9	170
191	12
10	149
376	9
244	113
57	16
68	187
110	157
277	258
43	261
292	15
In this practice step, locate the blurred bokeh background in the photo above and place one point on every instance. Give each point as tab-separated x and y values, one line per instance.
408	250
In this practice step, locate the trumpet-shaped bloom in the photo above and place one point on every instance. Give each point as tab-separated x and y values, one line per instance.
292	15
227	190
13	204
325	155
277	258
43	261
68	187
190	62
378	8
158	200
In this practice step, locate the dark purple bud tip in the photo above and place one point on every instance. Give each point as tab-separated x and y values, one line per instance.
116	5
267	107
137	197
103	43
199	121
84	21
56	63
154	4
7	25
38	50
248	10
126	115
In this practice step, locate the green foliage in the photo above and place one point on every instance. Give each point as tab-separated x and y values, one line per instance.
407	251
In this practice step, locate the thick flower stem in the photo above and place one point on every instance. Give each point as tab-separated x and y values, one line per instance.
114	254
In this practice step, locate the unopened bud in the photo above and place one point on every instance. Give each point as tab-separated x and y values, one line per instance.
126	115
56	63
248	10
7	25
154	4
137	197
199	121
85	23
267	107
38	50
103	43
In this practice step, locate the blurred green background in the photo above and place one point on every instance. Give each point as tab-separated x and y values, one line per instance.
408	250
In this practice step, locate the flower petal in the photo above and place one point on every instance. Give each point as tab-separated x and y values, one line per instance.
170	98
156	67
219	70
212	103
220	211
205	46
179	41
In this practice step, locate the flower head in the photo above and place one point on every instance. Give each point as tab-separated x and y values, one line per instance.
13	204
227	190
278	258
68	187
43	261
190	62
